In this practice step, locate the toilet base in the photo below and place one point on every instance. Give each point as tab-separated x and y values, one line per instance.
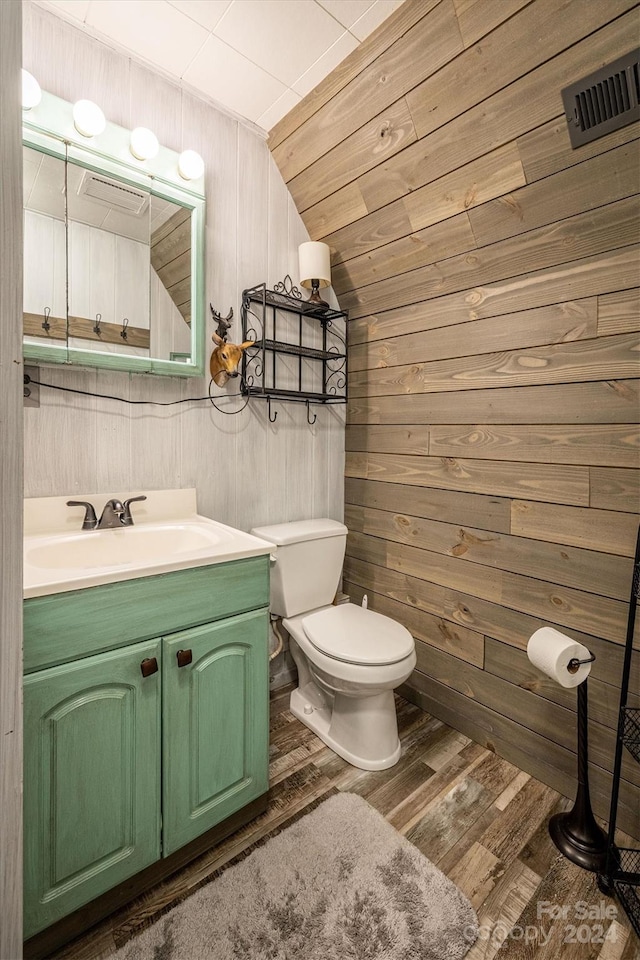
363	731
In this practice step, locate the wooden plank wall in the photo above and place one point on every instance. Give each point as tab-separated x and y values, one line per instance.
491	273
10	482
171	259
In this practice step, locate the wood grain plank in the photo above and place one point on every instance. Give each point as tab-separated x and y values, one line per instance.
548	761
548	149
596	444
600	274
599	616
507	838
619	312
513	664
614	401
593	183
372	231
475	873
468	187
411	250
426	46
573	567
552	721
584	235
32	326
560	882
609	358
498	119
385	439
341	208
556	484
563	322
601	530
492	513
478	17
538	32
394	27
447	821
510	627
429	628
471	185
376	141
615	489
502	909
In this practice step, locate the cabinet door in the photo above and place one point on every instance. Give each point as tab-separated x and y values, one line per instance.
91	779
215	724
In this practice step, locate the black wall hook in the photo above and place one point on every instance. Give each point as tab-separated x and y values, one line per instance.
125	324
96	327
46	326
272	419
315	416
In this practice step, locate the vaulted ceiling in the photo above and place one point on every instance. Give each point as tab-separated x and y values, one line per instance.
257	58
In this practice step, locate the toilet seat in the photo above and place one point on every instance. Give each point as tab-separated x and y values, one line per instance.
356	635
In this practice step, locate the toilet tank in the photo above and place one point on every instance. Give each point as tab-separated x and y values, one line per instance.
308	564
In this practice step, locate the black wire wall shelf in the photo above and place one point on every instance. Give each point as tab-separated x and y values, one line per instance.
300	349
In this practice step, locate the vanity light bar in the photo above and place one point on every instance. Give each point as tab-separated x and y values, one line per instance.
90	121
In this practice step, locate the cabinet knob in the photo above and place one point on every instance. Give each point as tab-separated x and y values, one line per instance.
184	657
149	666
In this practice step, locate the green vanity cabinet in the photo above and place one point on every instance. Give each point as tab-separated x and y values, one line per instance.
91	779
131	753
214	735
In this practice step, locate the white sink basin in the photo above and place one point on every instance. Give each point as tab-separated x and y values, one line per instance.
72	559
133	545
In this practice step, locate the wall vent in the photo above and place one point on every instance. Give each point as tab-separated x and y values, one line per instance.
113	194
604	101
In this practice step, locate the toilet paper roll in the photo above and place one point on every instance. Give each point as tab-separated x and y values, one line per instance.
550	651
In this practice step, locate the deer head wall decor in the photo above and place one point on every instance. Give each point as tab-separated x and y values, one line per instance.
226	356
225	359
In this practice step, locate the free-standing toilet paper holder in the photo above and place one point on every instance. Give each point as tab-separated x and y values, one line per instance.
574	665
576	833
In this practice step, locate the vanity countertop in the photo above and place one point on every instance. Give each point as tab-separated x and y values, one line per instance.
168	534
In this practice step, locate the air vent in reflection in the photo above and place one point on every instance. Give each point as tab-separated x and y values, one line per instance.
113	194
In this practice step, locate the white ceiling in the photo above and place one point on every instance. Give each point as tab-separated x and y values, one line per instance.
257	58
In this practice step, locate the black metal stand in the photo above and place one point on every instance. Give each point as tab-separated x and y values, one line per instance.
576	833
621	873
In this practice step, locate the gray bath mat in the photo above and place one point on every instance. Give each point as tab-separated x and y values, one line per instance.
339	884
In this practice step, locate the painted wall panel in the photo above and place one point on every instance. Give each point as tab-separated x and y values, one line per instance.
246	470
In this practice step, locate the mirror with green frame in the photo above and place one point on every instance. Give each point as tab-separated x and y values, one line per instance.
113	257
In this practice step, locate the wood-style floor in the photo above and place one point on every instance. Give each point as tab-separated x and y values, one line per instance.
479	818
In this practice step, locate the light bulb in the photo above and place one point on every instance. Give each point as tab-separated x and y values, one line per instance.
190	165
88	118
31	92
144	144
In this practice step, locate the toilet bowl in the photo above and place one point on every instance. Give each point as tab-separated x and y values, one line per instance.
349	659
349	703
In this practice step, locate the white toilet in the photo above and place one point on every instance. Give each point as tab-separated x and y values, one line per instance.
349	659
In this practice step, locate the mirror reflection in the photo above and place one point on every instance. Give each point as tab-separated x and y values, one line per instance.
107	264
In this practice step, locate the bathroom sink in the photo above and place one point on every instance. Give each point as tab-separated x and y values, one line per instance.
59	560
142	544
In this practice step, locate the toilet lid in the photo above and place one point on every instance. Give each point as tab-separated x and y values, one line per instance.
351	633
